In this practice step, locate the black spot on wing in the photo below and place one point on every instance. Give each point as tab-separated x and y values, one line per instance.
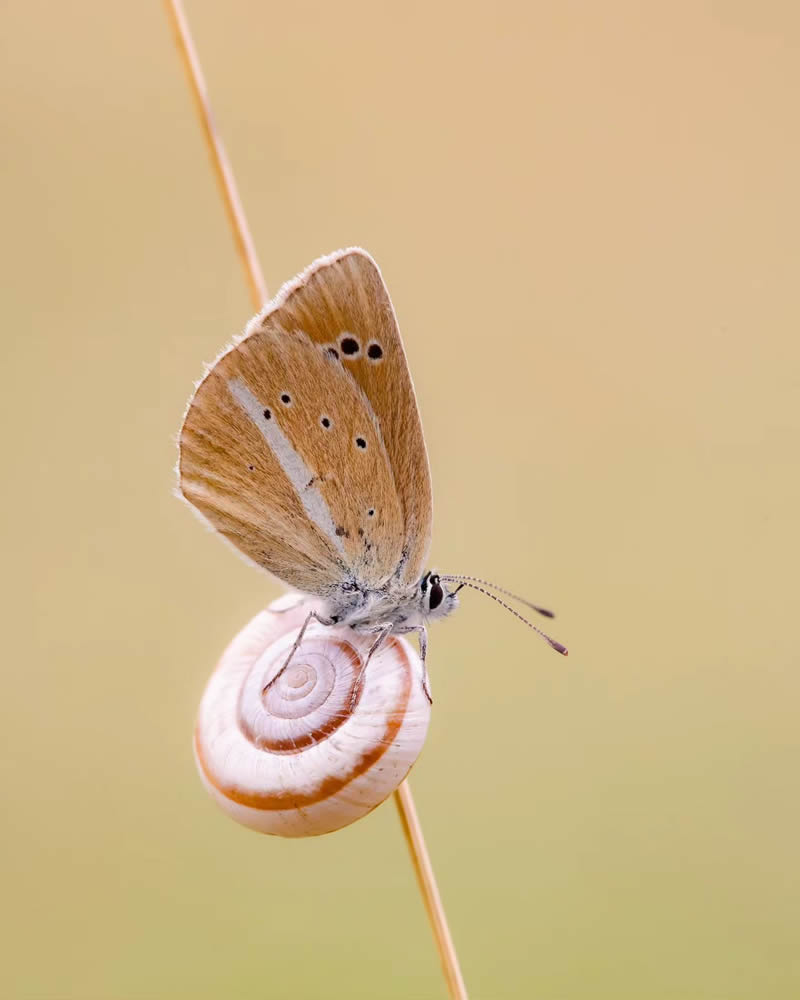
350	347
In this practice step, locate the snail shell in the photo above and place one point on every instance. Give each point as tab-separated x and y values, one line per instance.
292	758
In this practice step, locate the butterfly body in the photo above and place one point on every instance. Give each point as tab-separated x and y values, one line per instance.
303	447
401	606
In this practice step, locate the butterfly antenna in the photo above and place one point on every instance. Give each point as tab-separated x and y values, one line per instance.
502	590
557	646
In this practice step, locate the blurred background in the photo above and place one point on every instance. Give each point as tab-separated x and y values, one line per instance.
588	219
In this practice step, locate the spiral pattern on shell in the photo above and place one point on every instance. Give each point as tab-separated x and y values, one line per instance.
314	750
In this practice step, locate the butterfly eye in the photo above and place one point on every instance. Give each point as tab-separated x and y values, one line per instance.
437	593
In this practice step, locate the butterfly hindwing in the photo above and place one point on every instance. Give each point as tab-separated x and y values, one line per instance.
296	451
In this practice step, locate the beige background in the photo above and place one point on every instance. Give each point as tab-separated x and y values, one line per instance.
587	215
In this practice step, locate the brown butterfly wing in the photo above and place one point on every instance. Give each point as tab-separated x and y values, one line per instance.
335	483
230	475
281	453
343	298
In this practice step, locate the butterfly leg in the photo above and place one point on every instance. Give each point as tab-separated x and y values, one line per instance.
422	634
382	631
311	614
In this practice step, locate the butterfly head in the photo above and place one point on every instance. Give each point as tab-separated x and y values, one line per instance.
436	601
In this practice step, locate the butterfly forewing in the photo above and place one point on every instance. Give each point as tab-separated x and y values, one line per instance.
303	444
342	302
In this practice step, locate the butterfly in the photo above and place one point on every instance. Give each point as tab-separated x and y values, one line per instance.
303	447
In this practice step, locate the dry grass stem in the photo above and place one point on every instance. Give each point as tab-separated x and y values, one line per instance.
404	801
219	158
258	292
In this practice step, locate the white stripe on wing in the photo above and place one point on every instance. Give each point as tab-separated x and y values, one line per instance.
297	472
